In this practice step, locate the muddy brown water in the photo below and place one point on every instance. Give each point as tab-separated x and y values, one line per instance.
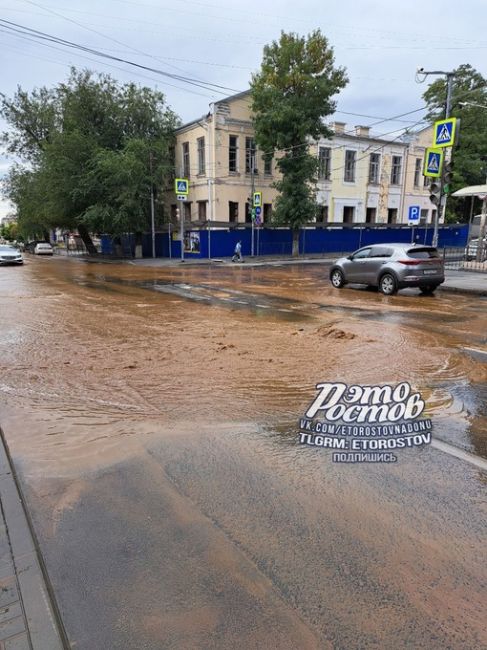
152	416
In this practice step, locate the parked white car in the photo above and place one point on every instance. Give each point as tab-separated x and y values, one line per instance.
10	255
43	249
472	249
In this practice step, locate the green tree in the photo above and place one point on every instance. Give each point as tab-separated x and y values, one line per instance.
291	94
9	231
470	154
93	148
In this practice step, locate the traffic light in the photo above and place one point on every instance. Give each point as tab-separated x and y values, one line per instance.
447	176
249	206
435	189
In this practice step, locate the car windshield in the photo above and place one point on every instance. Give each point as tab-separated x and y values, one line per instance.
7	249
423	253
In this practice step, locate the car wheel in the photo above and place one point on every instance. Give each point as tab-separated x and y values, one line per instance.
388	284
337	278
431	288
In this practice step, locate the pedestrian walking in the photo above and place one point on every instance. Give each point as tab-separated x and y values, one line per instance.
237	256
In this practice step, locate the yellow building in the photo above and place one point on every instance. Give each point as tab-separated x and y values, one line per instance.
217	154
362	179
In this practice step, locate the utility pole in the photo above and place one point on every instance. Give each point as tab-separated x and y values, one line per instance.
153	226
448	154
251	206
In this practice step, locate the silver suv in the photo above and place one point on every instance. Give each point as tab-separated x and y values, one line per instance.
391	267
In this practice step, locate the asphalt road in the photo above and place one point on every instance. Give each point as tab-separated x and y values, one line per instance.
152	415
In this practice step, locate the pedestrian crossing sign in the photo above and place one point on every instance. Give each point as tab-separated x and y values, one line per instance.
445	132
433	163
181	186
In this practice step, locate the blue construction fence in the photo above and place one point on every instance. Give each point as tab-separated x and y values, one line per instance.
278	241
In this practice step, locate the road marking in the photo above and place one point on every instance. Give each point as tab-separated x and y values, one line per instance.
477	352
263	306
459	453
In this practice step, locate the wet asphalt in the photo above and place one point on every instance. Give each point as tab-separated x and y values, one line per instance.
152	415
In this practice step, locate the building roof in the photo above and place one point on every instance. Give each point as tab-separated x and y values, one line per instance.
203	118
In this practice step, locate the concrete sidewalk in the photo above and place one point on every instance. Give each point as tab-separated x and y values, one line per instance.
28	619
465	282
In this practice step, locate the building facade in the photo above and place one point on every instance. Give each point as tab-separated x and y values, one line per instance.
362	179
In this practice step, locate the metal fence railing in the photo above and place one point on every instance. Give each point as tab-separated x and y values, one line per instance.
464	259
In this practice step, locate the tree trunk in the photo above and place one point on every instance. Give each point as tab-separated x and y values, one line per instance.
295	242
85	236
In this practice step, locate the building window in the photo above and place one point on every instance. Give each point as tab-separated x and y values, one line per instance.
186	165
323	214
324	162
267	212
433	215
349	212
248	212
201	156
174	212
187	210
427	181
350	158
423	217
396	170
374	168
202	210
417	171
233	153
232	212
392	215
370	215
267	165
250	157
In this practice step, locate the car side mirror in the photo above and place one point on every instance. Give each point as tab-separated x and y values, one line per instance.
349	257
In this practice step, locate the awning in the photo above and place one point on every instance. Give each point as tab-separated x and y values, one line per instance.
472	190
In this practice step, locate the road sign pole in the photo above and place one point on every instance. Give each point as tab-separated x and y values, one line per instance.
169	234
448	157
182	232
153	227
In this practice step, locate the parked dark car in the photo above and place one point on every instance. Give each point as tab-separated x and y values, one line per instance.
391	267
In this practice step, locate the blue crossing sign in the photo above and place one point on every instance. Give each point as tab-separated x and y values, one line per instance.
414	214
444	133
433	162
181	186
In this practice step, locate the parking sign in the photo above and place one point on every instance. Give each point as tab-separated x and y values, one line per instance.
414	214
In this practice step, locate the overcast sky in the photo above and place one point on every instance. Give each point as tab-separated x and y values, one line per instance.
381	43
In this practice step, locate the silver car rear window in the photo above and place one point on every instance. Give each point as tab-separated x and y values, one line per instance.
423	253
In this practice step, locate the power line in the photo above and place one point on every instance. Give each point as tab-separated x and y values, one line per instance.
94	31
87	58
43	36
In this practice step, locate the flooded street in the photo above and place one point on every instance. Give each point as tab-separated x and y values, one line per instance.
152	415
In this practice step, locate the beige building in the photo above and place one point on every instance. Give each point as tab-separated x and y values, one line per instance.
365	179
362	179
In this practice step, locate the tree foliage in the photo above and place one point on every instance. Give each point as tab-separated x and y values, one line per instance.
470	154
92	148
291	95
